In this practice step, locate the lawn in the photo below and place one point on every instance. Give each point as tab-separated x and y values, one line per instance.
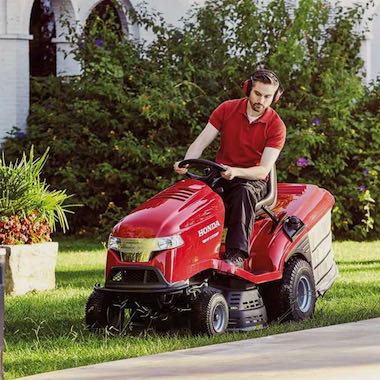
45	331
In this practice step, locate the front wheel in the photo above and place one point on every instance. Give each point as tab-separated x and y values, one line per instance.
209	314
102	313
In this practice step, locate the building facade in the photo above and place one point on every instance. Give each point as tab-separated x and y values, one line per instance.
17	23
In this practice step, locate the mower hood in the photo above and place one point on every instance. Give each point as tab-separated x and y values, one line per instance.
171	211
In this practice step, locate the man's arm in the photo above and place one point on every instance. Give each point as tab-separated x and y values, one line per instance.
267	161
205	138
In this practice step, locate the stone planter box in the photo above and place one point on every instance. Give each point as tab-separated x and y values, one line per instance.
30	267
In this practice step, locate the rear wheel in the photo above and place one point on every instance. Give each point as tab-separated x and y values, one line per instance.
209	314
294	297
297	291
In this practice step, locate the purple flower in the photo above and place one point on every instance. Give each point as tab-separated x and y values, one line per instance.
99	42
302	162
20	135
361	188
316	121
365	171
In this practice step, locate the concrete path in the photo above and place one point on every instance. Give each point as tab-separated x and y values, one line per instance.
348	351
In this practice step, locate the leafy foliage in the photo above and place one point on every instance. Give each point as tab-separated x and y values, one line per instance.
115	132
28	209
23	230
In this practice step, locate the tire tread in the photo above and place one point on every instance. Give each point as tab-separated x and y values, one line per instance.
201	310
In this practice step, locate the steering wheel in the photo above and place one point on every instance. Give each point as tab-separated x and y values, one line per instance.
212	170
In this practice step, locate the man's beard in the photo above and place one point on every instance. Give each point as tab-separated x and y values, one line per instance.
257	107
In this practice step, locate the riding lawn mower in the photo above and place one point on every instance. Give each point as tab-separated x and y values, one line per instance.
165	264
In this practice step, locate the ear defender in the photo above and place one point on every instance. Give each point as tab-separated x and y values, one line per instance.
277	95
247	87
259	75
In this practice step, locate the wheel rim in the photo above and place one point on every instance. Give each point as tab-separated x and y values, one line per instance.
219	318
304	294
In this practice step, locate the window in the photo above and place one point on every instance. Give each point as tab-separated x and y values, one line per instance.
105	11
42	51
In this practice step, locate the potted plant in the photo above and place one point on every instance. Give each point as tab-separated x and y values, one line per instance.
29	212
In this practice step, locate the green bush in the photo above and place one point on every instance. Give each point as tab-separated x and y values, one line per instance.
115	132
28	209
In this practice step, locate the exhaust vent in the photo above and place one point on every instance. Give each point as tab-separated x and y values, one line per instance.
178	194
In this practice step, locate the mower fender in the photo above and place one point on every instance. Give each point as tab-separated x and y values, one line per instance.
302	249
316	247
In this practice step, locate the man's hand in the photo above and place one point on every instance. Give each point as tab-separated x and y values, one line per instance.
229	173
179	170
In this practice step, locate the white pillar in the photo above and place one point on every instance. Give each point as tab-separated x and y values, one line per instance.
66	64
65	15
14	81
366	55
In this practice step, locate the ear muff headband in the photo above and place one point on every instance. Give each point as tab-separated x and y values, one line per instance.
257	77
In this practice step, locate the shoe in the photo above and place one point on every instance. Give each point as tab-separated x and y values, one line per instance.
236	258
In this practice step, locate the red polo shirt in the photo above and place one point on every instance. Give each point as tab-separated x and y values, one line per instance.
242	143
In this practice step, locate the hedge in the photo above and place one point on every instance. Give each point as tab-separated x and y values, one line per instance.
115	131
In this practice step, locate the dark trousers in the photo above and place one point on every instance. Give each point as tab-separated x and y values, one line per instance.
240	197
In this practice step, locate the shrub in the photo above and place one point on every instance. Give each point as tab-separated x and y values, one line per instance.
115	132
28	210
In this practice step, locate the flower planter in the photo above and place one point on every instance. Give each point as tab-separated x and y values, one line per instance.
30	267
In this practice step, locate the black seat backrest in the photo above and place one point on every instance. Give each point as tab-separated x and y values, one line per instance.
271	198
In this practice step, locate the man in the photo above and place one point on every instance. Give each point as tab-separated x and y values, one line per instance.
252	136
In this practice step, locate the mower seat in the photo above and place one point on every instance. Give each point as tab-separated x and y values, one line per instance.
271	198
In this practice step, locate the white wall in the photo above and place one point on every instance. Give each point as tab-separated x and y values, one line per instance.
14	66
370	51
172	10
375	46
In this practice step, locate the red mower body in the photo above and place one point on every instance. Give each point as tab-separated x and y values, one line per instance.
191	209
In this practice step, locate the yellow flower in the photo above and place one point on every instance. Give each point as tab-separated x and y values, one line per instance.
146	108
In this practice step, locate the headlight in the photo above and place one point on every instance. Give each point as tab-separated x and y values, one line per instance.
168	242
140	249
114	243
